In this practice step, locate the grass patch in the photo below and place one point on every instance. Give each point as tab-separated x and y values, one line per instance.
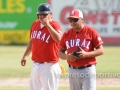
10	57
13	88
110	60
10	65
60	88
108	88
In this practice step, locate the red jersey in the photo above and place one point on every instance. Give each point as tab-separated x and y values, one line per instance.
87	39
44	48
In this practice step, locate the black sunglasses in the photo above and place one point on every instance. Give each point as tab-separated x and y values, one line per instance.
73	19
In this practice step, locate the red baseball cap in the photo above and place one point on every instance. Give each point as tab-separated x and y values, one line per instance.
75	13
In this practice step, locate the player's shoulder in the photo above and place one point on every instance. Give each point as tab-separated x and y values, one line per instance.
90	29
54	22
55	25
68	32
35	22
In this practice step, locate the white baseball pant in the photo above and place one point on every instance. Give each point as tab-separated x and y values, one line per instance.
45	76
82	79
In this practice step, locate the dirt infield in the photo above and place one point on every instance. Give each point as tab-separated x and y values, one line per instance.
101	82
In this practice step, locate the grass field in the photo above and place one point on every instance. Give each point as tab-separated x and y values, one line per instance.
10	57
10	67
60	88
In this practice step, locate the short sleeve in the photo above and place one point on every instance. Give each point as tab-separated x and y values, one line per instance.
97	41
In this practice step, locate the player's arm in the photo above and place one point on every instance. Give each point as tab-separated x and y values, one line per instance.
62	54
27	52
55	35
98	51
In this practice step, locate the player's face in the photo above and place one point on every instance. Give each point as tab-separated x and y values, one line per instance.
76	23
42	16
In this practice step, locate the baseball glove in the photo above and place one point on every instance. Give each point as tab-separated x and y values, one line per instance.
75	52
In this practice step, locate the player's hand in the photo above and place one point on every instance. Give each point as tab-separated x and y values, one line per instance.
81	53
71	57
45	21
23	62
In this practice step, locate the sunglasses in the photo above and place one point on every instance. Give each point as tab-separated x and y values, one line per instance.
73	19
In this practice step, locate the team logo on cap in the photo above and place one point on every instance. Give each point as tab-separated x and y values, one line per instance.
72	12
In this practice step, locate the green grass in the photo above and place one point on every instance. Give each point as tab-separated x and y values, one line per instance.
13	88
110	60
108	88
60	88
10	57
10	66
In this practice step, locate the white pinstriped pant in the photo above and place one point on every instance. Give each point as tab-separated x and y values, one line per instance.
45	76
82	79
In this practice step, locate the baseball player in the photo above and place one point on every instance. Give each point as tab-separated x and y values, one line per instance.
82	44
45	34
